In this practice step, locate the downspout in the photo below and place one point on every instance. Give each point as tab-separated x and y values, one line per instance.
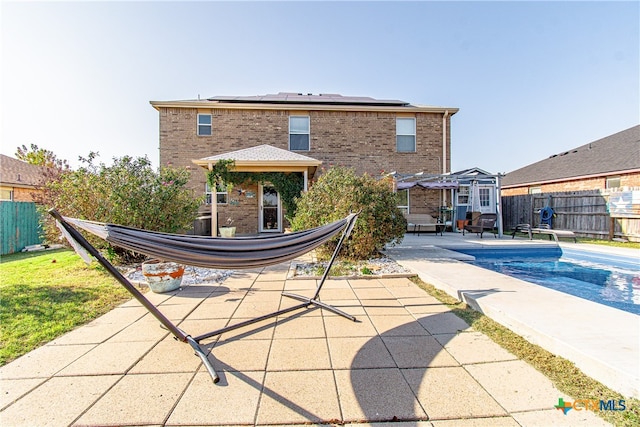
444	141
499	205
444	154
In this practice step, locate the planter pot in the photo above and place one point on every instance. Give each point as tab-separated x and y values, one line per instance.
163	276
227	231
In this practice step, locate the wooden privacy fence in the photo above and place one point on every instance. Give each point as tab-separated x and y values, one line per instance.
19	226
586	213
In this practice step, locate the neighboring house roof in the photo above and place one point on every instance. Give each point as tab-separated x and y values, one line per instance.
17	173
262	157
618	153
301	101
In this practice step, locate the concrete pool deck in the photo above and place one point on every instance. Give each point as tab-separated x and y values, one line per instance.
408	361
603	342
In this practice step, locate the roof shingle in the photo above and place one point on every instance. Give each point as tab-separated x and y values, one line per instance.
17	172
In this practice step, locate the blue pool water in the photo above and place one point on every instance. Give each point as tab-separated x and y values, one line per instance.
605	279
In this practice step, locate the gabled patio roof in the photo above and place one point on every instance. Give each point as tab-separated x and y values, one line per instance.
263	158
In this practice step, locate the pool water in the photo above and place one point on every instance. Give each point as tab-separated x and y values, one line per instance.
605	279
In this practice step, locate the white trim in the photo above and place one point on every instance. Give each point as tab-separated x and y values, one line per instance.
209	124
414	135
299	133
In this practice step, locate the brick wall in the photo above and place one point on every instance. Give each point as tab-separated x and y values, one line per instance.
365	141
23	194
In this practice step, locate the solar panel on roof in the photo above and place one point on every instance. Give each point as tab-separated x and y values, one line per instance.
287	97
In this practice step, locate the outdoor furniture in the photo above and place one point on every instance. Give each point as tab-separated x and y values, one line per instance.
485	222
209	252
423	222
544	229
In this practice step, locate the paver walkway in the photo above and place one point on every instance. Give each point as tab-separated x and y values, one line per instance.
407	359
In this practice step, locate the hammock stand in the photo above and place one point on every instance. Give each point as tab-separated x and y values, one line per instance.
148	243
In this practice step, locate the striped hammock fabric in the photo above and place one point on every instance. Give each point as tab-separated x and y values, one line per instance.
216	252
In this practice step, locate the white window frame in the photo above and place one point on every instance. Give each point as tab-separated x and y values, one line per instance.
8	192
464	195
613	182
204	125
222	195
308	133
485	196
401	134
404	208
535	190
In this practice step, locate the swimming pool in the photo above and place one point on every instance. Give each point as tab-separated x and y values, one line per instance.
605	279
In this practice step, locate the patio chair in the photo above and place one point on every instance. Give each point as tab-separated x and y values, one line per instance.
544	229
209	252
485	222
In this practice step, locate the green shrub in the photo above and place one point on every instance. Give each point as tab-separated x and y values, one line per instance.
337	193
129	192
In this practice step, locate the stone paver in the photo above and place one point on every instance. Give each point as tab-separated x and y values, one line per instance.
376	395
138	399
57	402
406	361
291	396
233	401
451	392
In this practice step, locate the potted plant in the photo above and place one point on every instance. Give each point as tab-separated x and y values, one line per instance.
162	276
228	230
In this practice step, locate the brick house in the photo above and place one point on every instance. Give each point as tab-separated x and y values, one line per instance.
18	179
610	162
301	133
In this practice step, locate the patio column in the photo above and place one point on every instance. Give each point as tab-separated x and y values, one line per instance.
214	208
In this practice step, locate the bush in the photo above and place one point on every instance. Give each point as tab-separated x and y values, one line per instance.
337	193
130	192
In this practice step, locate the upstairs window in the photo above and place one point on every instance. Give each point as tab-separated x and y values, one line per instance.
405	135
204	124
299	133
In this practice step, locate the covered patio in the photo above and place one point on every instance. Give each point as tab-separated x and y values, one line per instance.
255	207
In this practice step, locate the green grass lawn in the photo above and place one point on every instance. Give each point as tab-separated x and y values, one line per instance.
45	294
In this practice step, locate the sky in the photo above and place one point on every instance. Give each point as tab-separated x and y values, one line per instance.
530	79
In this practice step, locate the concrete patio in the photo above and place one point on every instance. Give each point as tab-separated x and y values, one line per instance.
407	360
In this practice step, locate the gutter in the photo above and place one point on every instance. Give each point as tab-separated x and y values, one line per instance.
203	104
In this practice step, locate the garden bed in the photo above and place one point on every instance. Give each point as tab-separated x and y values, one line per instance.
374	268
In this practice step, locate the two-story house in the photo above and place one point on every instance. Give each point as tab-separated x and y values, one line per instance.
301	133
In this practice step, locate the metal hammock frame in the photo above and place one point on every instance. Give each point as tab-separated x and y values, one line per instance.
211	252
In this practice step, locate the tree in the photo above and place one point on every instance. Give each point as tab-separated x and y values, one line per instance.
337	193
129	192
40	157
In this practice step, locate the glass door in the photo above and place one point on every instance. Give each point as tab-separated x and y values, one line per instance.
270	208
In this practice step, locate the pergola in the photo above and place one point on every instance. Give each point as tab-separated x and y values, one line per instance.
452	182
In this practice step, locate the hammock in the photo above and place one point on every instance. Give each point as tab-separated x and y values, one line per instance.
215	252
210	252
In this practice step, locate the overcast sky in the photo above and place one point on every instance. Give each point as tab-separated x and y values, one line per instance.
531	79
